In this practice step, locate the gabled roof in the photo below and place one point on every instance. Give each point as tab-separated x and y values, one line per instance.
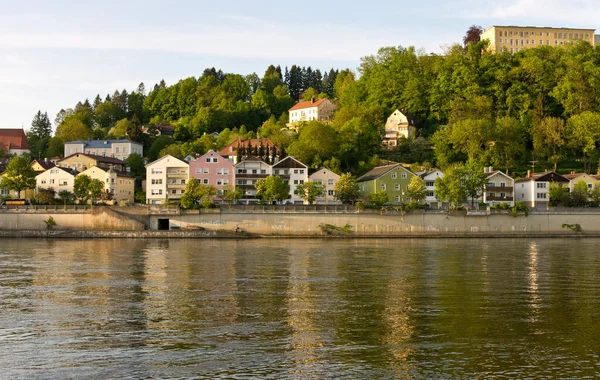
291	162
231	149
308	104
44	163
378	172
544	177
168	156
119	173
69	171
426	173
572	176
13	138
494	172
411	120
104	159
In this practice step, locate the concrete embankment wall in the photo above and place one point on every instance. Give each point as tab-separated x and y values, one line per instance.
368	224
98	219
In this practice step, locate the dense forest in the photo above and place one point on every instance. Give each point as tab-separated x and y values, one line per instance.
504	110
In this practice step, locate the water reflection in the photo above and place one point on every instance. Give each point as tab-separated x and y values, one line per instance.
299	308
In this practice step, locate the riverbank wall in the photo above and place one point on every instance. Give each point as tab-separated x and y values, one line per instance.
142	221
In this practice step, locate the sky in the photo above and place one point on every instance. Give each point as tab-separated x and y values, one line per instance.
56	53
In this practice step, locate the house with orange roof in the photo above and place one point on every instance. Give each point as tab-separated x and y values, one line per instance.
321	110
263	148
13	141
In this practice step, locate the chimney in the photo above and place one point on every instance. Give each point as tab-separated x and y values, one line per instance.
572	172
312	99
485	169
528	173
491	169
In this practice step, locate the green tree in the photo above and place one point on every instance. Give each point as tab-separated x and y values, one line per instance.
18	175
72	129
231	194
41	127
95	188
474	180
66	197
272	188
315	140
346	189
378	198
81	187
558	194
549	139
45	196
450	187
136	164
197	194
584	134
416	189
159	144
309	191
120	129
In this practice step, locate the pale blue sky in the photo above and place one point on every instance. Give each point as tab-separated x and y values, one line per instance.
55	53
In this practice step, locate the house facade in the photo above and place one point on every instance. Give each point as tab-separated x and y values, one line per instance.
39	166
393	179
321	110
119	184
499	188
213	169
166	179
259	147
398	125
13	141
591	181
534	190
293	171
119	149
430	195
83	161
328	179
56	178
247	172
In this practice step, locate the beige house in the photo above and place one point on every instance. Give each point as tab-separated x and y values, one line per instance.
82	161
398	125
321	110
500	188
328	179
166	179
119	184
590	180
514	38
120	149
56	178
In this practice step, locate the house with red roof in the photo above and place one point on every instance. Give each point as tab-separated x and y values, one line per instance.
321	110
262	147
13	141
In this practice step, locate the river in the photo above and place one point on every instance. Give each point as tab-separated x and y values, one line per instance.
300	308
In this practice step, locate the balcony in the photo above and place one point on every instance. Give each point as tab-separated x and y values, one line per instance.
499	199
504	189
250	175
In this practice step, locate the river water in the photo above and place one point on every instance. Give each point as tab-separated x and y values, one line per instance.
300	308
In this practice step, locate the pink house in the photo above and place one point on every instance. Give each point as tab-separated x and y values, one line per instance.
213	169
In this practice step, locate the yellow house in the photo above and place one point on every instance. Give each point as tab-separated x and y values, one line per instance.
119	184
83	161
398	125
590	180
514	38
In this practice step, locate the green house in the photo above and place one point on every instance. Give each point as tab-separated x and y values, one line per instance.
393	179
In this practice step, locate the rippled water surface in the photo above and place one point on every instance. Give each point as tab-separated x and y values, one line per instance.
300	308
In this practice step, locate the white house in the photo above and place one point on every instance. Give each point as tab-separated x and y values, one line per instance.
120	149
56	178
591	181
534	190
294	171
398	125
166	179
328	179
429	179
247	172
321	110
499	188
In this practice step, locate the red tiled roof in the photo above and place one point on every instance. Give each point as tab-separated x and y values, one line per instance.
231	149
308	104
13	139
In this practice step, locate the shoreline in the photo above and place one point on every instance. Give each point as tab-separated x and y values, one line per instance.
210	234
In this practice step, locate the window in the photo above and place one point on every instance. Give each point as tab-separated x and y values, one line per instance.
503	195
330	193
215	160
43	182
198	171
52	182
502	184
295	171
207	160
492	195
276	172
264	171
219	182
429	183
117	150
295	182
541	195
491	184
397	199
397	187
403	175
394	175
301	181
157	171
330	182
205	181
590	185
225	171
429	193
522	195
254	171
174	191
382	187
157	181
541	185
205	170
